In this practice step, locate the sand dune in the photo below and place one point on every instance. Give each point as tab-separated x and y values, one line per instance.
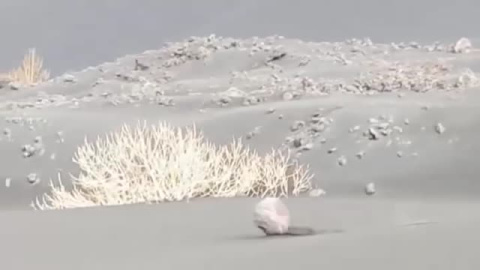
402	116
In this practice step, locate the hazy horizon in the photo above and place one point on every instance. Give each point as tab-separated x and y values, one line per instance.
74	35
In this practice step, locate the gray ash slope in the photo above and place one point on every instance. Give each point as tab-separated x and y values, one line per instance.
401	115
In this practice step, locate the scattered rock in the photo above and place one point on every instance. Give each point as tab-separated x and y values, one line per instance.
33	178
223	101
307	147
373	134
60	138
373	120
317	192
398	129
165	101
332	150
7	132
297	125
28	150
14	86
298	142
317	128
277	56
271	110
253	133
8	182
38	139
439	128
360	154
342	161
251	100
305	61
463	45
353	129
287	96
370	189
140	66
69	78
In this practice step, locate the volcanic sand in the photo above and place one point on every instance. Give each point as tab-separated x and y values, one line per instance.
423	215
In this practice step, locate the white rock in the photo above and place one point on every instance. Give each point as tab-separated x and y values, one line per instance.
32	178
463	45
439	128
8	182
317	192
69	78
14	86
287	96
272	216
342	161
370	189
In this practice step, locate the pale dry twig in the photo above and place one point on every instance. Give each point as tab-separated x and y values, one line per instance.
160	163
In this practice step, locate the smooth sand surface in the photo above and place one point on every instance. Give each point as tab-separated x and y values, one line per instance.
424	214
360	234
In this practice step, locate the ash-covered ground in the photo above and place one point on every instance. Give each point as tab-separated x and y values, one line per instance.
389	130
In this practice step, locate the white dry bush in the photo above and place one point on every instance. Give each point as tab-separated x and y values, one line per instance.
161	163
31	71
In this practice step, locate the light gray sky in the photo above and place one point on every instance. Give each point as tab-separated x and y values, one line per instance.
72	35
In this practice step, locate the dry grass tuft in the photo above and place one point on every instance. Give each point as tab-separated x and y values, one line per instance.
30	72
160	163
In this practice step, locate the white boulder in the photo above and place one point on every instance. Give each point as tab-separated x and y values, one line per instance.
272	216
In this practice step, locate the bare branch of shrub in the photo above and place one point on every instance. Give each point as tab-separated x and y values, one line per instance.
159	163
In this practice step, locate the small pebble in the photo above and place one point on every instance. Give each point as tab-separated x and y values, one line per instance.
373	134
342	161
370	189
28	151
360	154
38	139
439	128
32	178
298	142
7	132
8	182
69	78
297	125
307	147
332	150
60	137
287	96
398	129
254	132
317	192
373	120
271	110
317	128
353	129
